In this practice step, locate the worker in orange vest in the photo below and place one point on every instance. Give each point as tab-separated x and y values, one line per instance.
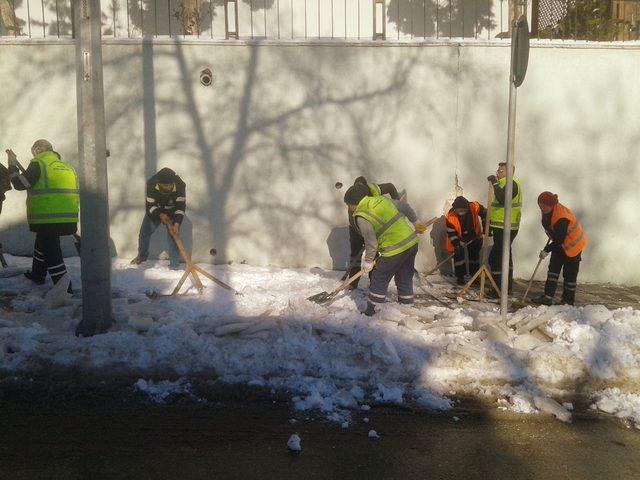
464	226
566	242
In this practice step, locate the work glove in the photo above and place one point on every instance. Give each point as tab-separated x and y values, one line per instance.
492	179
543	254
420	228
366	266
164	218
12	160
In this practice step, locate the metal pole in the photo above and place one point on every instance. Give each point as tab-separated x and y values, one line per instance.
94	204
508	190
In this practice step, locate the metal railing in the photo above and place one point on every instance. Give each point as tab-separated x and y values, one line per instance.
402	20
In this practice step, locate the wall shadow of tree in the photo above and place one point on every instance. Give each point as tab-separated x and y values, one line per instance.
441	18
265	137
256	5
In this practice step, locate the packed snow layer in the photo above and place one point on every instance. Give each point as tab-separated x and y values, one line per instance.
329	357
623	405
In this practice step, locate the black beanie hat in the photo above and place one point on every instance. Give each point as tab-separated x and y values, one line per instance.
361	180
356	193
166	175
460	202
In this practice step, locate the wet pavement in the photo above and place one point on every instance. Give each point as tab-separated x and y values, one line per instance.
247	440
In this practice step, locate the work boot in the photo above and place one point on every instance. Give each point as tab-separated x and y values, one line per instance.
567	300
543	300
138	260
35	279
370	310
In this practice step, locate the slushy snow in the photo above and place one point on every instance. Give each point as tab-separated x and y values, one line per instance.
328	358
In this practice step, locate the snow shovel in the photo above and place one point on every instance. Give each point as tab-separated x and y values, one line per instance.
324	297
445	260
193	269
526	292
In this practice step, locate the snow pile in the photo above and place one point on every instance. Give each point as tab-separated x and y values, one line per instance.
623	405
328	358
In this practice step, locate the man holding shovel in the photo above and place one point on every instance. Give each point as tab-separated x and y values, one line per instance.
165	203
5	185
464	226
567	240
356	241
53	204
386	226
496	221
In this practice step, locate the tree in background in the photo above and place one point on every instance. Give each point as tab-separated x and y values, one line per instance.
581	19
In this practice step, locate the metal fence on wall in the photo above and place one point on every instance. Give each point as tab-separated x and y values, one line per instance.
402	20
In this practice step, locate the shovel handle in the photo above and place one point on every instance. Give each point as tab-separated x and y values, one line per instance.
526	292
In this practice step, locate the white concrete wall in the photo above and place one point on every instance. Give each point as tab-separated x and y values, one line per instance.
262	149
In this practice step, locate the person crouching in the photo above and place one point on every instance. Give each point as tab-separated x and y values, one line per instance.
464	227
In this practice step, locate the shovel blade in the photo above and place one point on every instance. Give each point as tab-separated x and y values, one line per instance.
319	297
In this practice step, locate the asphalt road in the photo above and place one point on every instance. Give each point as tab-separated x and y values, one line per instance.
87	438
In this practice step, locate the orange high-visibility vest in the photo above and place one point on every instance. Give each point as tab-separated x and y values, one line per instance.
454	220
575	240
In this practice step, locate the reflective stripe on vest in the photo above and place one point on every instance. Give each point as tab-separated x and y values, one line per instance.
496	215
395	235
575	240
54	198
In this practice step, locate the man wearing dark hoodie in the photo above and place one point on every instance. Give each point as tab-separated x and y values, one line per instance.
5	185
165	201
464	227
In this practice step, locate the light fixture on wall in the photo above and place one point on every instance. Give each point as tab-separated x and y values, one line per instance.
206	77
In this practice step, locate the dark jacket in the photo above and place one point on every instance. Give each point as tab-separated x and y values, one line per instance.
557	233
173	203
5	184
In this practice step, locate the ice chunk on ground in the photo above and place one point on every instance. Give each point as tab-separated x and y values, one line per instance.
389	394
160	392
549	405
293	443
624	405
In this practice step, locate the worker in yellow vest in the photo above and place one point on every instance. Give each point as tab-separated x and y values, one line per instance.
356	242
53	203
496	221
389	228
566	243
